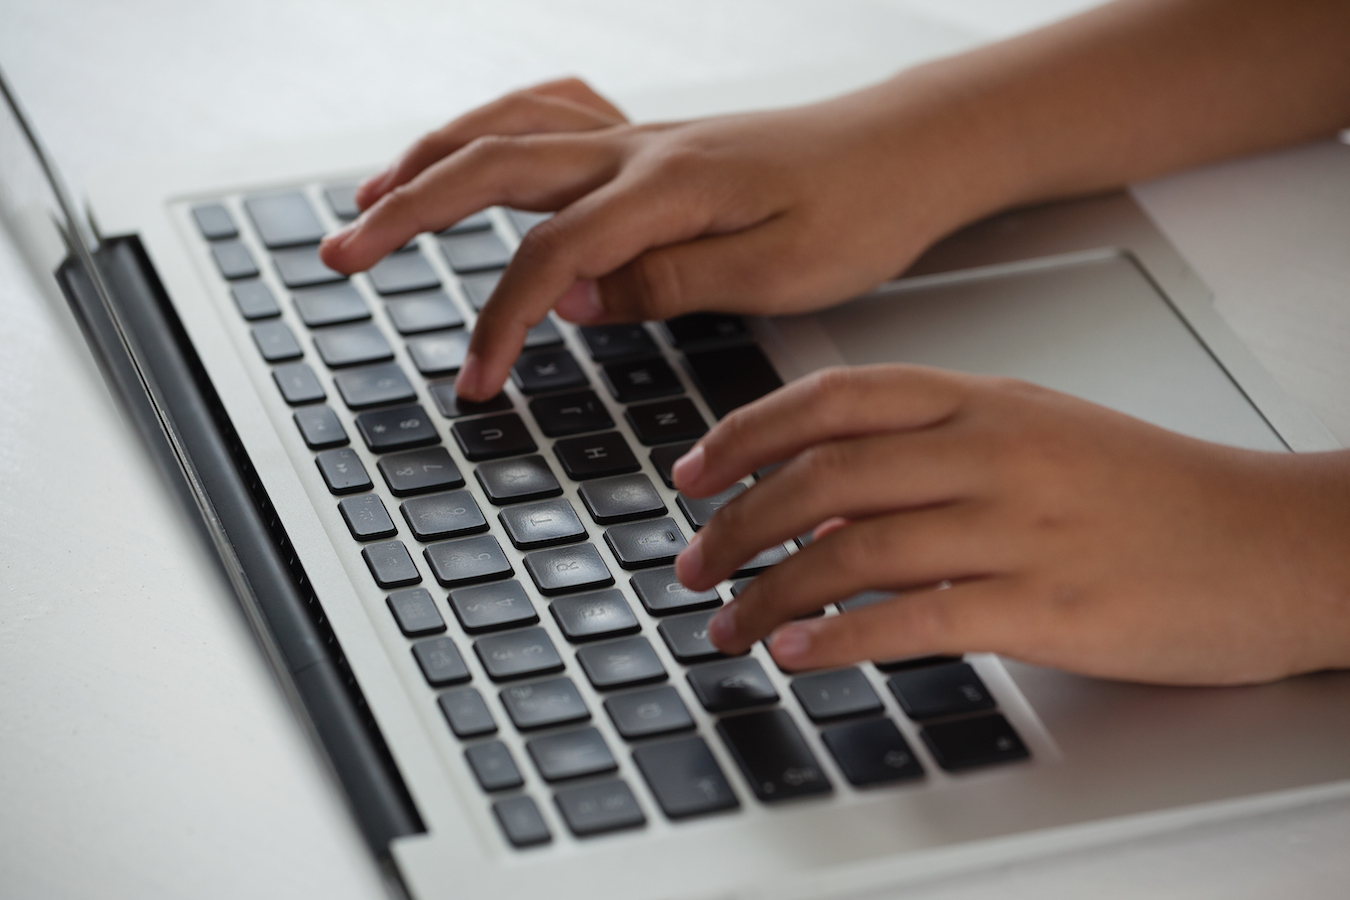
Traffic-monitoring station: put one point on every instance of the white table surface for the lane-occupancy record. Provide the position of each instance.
(144, 751)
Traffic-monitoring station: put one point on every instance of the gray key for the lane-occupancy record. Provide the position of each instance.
(275, 341)
(685, 777)
(543, 704)
(423, 311)
(284, 219)
(493, 766)
(641, 544)
(320, 428)
(545, 334)
(331, 304)
(233, 260)
(732, 684)
(301, 267)
(466, 712)
(467, 560)
(214, 221)
(342, 200)
(440, 662)
(562, 569)
(439, 353)
(833, 695)
(546, 523)
(687, 637)
(518, 654)
(515, 480)
(343, 471)
(479, 221)
(479, 287)
(621, 498)
(662, 594)
(452, 514)
(599, 808)
(390, 565)
(699, 511)
(254, 299)
(641, 714)
(623, 663)
(418, 471)
(373, 385)
(585, 617)
(415, 612)
(352, 345)
(475, 252)
(572, 754)
(298, 383)
(492, 607)
(522, 221)
(366, 517)
(407, 270)
(521, 821)
(762, 560)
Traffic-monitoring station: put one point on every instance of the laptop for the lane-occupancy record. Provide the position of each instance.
(473, 606)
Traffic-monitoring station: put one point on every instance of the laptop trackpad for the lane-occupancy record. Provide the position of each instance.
(1095, 328)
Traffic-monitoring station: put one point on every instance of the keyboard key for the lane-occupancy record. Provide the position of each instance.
(474, 252)
(687, 637)
(517, 480)
(934, 691)
(572, 754)
(543, 704)
(284, 219)
(562, 569)
(638, 545)
(492, 607)
(406, 270)
(700, 511)
(233, 260)
(254, 299)
(518, 654)
(366, 517)
(320, 428)
(479, 221)
(343, 471)
(298, 383)
(872, 751)
(415, 611)
(545, 334)
(685, 777)
(599, 808)
(732, 684)
(479, 287)
(664, 459)
(276, 342)
(864, 598)
(699, 328)
(642, 379)
(912, 662)
(607, 343)
(621, 499)
(342, 200)
(466, 712)
(623, 663)
(773, 755)
(665, 421)
(493, 766)
(451, 514)
(467, 561)
(351, 345)
(214, 221)
(374, 385)
(730, 377)
(523, 221)
(595, 456)
(396, 429)
(423, 311)
(453, 408)
(440, 662)
(967, 743)
(585, 617)
(330, 305)
(833, 695)
(575, 413)
(493, 436)
(641, 714)
(390, 564)
(419, 471)
(542, 371)
(762, 560)
(546, 523)
(662, 594)
(439, 353)
(302, 268)
(521, 821)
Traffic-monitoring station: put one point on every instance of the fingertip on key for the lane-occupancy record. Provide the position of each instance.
(689, 564)
(689, 467)
(789, 646)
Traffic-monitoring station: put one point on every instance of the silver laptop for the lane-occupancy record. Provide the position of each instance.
(473, 606)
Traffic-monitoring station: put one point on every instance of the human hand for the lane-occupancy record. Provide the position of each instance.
(1071, 535)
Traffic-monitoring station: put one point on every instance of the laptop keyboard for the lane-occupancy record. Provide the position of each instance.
(586, 622)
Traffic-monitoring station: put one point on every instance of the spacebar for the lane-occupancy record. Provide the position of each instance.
(729, 377)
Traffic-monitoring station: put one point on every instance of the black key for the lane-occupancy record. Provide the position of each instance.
(415, 611)
(699, 328)
(255, 300)
(390, 564)
(373, 385)
(912, 662)
(562, 569)
(523, 221)
(872, 751)
(351, 345)
(545, 334)
(642, 379)
(479, 221)
(479, 287)
(595, 456)
(640, 714)
(366, 517)
(320, 428)
(622, 663)
(419, 471)
(493, 766)
(342, 200)
(517, 480)
(440, 662)
(467, 560)
(732, 684)
(276, 342)
(284, 219)
(452, 407)
(739, 585)
(439, 353)
(934, 691)
(518, 654)
(233, 260)
(575, 413)
(638, 545)
(662, 594)
(521, 821)
(664, 458)
(967, 743)
(466, 712)
(451, 514)
(547, 370)
(546, 523)
(730, 377)
(492, 607)
(585, 617)
(700, 511)
(833, 695)
(762, 560)
(773, 755)
(622, 498)
(685, 778)
(571, 754)
(407, 270)
(301, 267)
(665, 421)
(493, 436)
(474, 252)
(607, 343)
(343, 471)
(399, 428)
(423, 311)
(687, 637)
(298, 383)
(333, 304)
(599, 808)
(214, 221)
(543, 704)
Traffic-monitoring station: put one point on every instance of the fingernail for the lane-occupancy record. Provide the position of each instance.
(470, 374)
(791, 643)
(689, 564)
(722, 627)
(372, 184)
(581, 303)
(688, 467)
